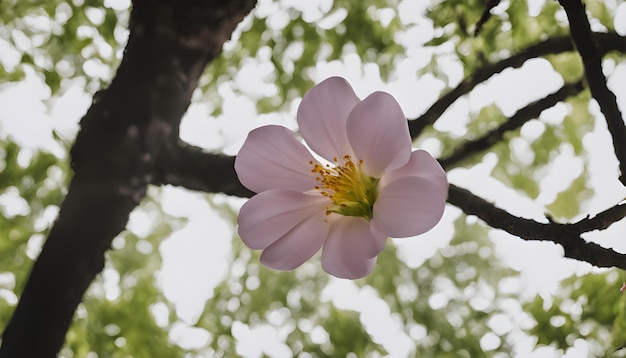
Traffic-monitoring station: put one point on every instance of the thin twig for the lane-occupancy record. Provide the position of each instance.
(485, 16)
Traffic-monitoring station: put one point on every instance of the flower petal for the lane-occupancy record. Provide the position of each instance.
(376, 242)
(379, 134)
(322, 117)
(345, 251)
(272, 158)
(421, 164)
(268, 216)
(298, 245)
(408, 206)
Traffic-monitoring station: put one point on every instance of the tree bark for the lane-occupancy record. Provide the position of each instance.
(114, 158)
(591, 55)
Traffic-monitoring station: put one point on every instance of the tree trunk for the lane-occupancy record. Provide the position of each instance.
(114, 158)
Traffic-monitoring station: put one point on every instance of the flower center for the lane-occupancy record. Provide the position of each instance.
(351, 192)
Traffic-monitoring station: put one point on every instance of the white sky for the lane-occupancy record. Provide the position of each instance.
(193, 265)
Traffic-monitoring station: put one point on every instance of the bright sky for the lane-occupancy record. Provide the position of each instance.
(189, 258)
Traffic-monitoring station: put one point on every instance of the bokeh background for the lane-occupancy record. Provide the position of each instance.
(179, 282)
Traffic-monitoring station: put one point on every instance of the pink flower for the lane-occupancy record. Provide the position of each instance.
(372, 187)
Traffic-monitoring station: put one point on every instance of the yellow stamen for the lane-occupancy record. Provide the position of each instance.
(351, 191)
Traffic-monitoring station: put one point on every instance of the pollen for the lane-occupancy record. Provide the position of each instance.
(350, 190)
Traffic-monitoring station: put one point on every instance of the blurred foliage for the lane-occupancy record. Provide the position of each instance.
(31, 189)
(116, 319)
(62, 39)
(588, 308)
(458, 302)
(294, 42)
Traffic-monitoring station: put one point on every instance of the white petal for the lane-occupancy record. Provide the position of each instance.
(272, 158)
(298, 245)
(268, 216)
(421, 164)
(322, 117)
(379, 134)
(345, 250)
(408, 206)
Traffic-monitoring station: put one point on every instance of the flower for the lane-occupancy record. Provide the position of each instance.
(371, 185)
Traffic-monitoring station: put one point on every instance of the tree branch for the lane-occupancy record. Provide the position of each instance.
(190, 167)
(113, 158)
(549, 46)
(566, 235)
(607, 42)
(601, 221)
(531, 111)
(591, 55)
